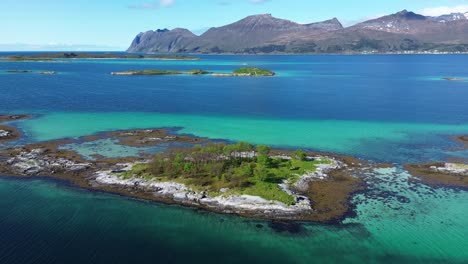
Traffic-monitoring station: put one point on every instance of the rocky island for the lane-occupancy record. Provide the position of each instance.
(243, 179)
(441, 174)
(462, 139)
(80, 55)
(19, 71)
(249, 71)
(161, 72)
(31, 71)
(245, 72)
(9, 133)
(452, 79)
(446, 174)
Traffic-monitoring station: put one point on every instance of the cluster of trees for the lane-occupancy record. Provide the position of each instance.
(231, 166)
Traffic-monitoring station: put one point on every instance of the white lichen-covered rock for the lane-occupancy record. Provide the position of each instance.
(4, 133)
(453, 168)
(35, 162)
(183, 194)
(254, 203)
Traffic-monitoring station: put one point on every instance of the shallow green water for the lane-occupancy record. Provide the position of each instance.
(366, 139)
(110, 148)
(420, 222)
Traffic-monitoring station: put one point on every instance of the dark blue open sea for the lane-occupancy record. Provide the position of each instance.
(384, 108)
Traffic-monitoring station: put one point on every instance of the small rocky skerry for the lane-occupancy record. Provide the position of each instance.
(31, 71)
(9, 133)
(441, 173)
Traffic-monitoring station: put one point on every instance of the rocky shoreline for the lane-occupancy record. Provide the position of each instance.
(322, 195)
(9, 133)
(441, 174)
(462, 139)
(453, 174)
(151, 137)
(30, 71)
(46, 159)
(246, 205)
(182, 194)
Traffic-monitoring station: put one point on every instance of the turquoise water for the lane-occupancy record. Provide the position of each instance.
(362, 138)
(62, 224)
(381, 108)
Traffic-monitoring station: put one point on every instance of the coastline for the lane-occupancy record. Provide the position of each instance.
(316, 54)
(47, 160)
(440, 174)
(325, 199)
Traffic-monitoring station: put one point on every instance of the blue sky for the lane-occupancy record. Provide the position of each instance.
(112, 24)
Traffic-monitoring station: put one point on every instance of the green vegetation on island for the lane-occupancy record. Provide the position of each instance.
(253, 71)
(230, 169)
(161, 72)
(79, 55)
(250, 71)
(18, 71)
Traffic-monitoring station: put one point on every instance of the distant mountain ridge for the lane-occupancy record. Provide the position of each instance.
(400, 32)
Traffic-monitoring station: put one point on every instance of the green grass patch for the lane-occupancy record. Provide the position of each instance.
(214, 167)
(253, 71)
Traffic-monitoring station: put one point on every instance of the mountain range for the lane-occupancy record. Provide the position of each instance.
(400, 32)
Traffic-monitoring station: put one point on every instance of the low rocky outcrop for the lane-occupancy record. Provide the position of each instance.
(441, 174)
(37, 161)
(152, 137)
(452, 168)
(452, 79)
(5, 134)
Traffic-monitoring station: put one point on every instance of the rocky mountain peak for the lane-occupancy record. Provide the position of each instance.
(264, 33)
(401, 22)
(405, 14)
(263, 20)
(162, 40)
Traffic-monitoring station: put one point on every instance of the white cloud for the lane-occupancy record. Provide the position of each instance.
(165, 3)
(443, 10)
(153, 5)
(259, 1)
